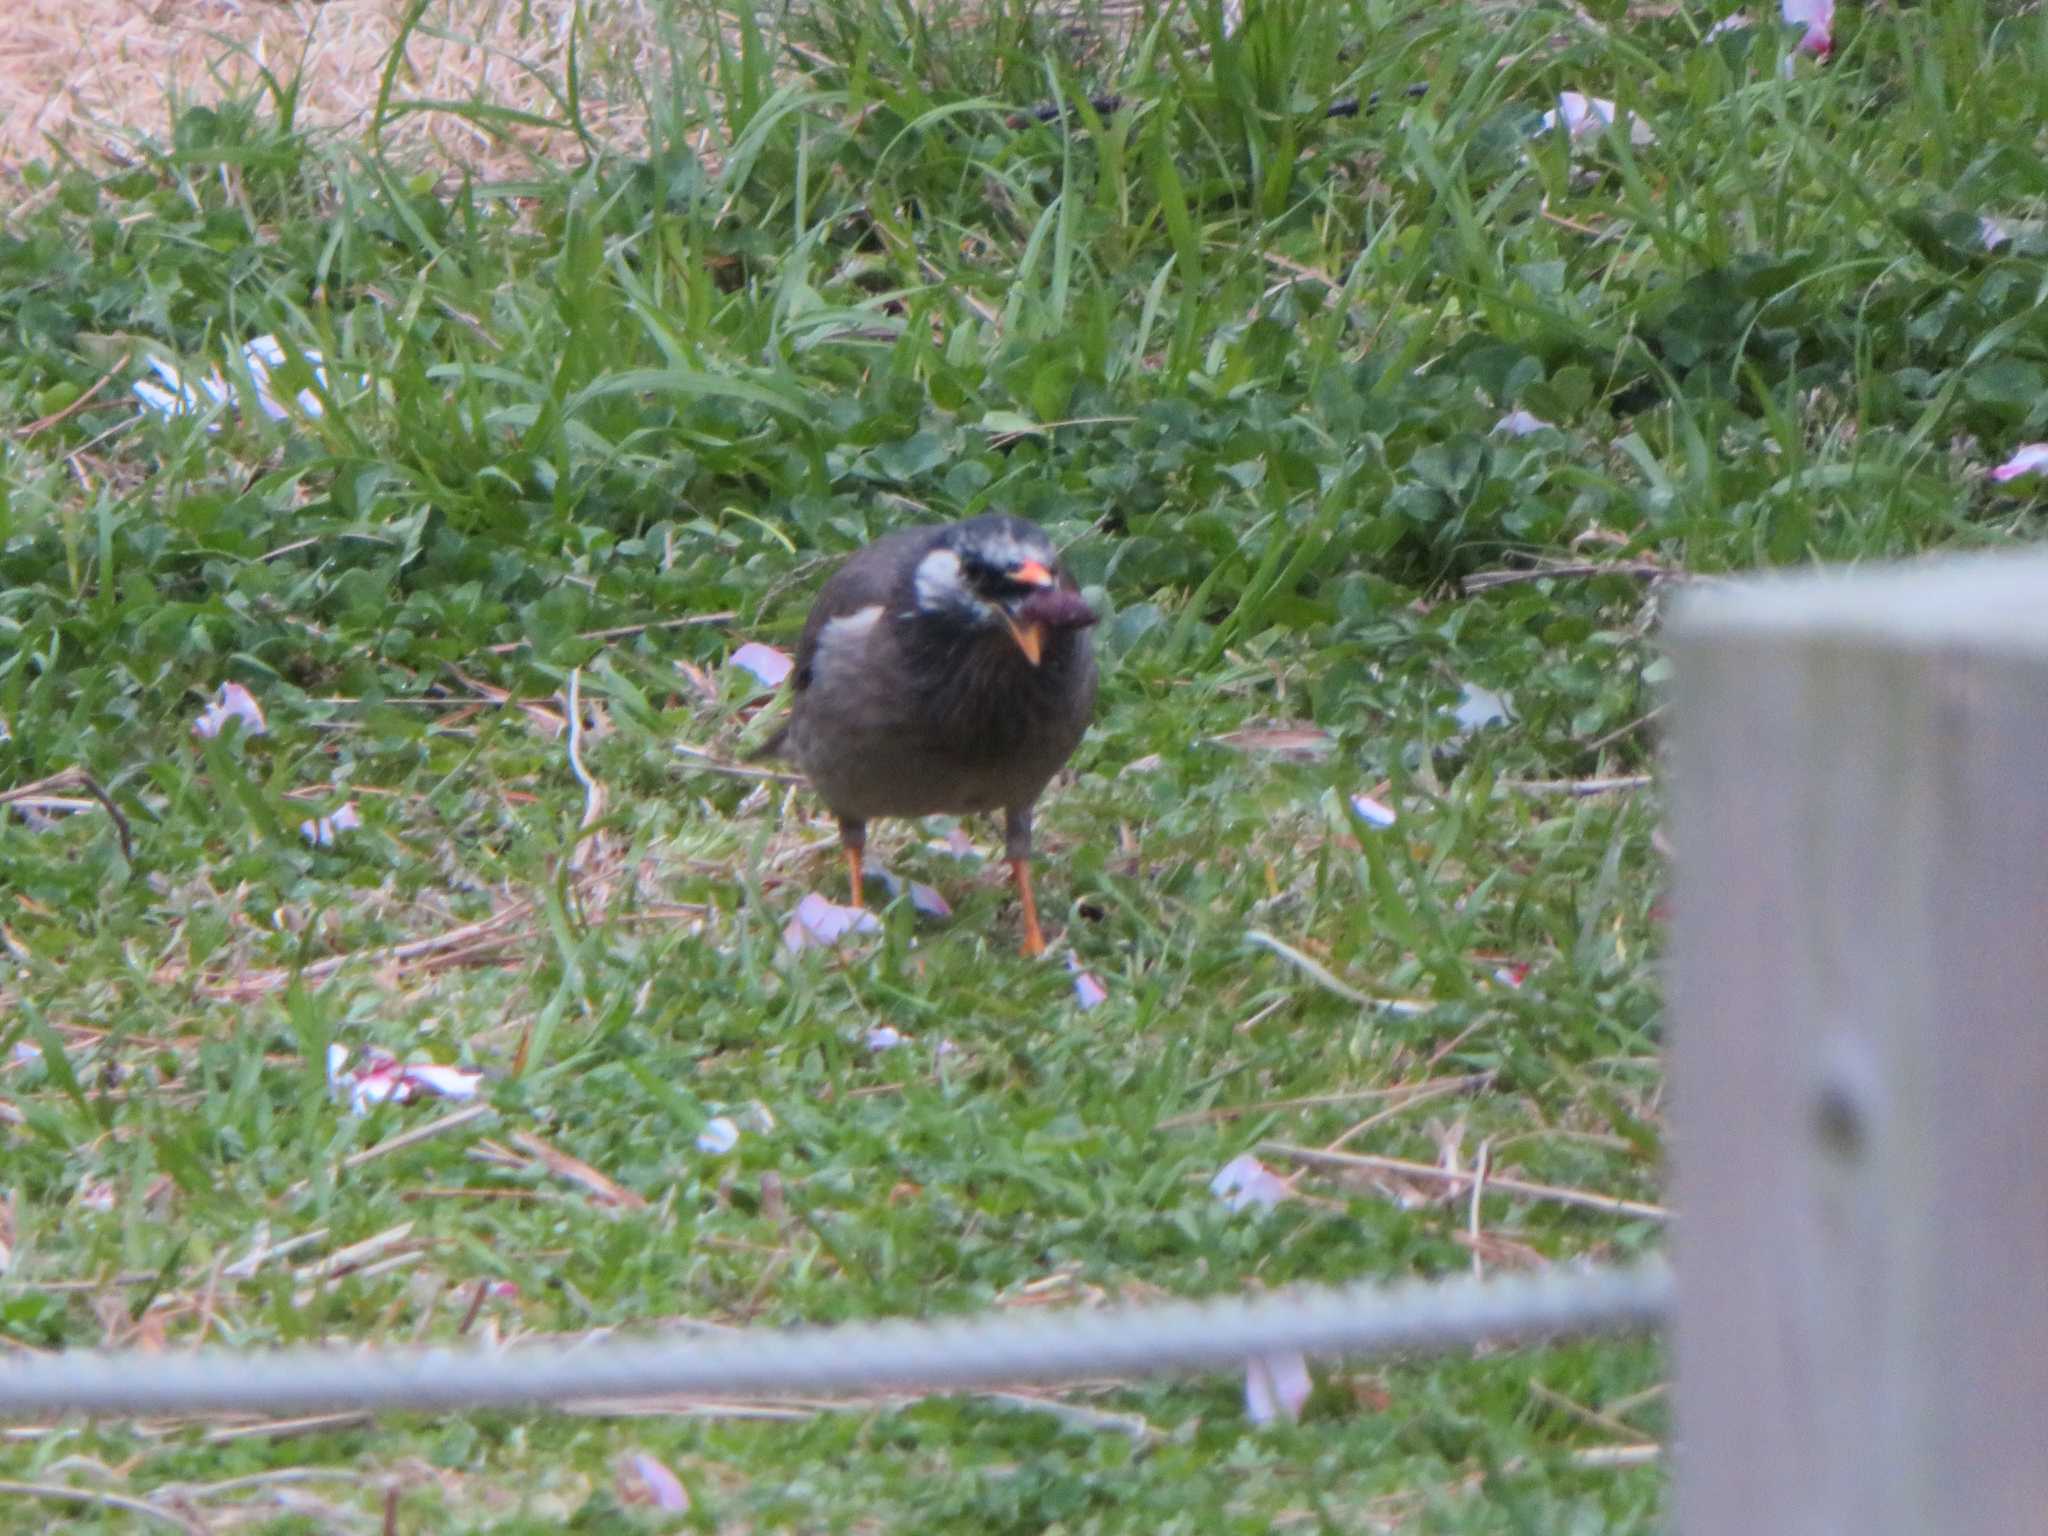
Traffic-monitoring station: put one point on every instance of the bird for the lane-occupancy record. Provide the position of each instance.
(943, 669)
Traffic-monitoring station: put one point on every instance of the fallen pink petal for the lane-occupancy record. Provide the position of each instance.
(1276, 1387)
(1818, 17)
(643, 1480)
(381, 1078)
(2028, 459)
(820, 924)
(1244, 1182)
(233, 702)
(764, 661)
(719, 1136)
(886, 1037)
(1089, 991)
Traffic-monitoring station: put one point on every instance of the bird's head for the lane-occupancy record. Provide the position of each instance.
(999, 574)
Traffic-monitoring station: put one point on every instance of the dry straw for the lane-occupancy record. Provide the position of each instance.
(84, 78)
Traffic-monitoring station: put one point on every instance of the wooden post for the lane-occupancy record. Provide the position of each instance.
(1859, 1052)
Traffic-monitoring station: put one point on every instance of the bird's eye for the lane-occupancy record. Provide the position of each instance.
(990, 579)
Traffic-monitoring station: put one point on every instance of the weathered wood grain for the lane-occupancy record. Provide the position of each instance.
(1859, 1043)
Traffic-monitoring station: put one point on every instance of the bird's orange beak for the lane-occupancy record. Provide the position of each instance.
(1030, 638)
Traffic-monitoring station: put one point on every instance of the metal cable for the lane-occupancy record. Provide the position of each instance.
(981, 1351)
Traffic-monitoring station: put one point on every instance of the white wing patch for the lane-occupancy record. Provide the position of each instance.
(843, 642)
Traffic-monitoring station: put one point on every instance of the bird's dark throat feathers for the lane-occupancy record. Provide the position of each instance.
(980, 690)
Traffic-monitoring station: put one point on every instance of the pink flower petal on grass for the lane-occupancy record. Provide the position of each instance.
(2028, 459)
(380, 1078)
(233, 702)
(1275, 1387)
(820, 924)
(1818, 17)
(764, 661)
(886, 1037)
(1089, 991)
(1244, 1182)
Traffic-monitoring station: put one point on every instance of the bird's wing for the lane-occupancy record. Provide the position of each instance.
(875, 575)
(870, 576)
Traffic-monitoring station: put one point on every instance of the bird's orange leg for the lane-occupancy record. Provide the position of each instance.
(853, 838)
(1034, 941)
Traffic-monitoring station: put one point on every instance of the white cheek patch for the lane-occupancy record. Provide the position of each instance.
(938, 583)
(843, 642)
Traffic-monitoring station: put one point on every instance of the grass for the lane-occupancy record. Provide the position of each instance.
(1247, 361)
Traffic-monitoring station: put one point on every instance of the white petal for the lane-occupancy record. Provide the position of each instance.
(1520, 423)
(1479, 707)
(1244, 1182)
(1583, 116)
(1373, 811)
(1089, 991)
(818, 923)
(718, 1137)
(764, 661)
(444, 1082)
(233, 702)
(1275, 1387)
